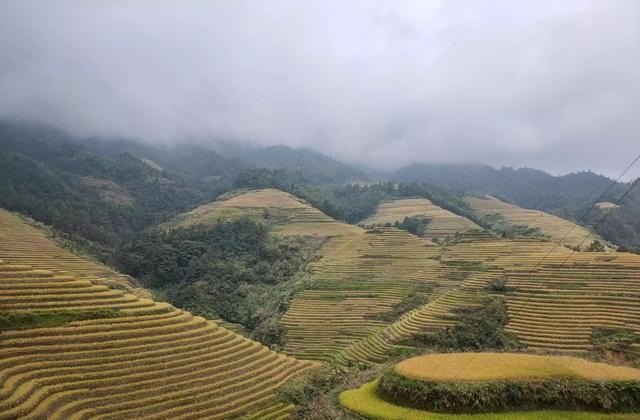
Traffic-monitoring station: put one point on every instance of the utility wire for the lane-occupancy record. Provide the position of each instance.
(602, 220)
(591, 207)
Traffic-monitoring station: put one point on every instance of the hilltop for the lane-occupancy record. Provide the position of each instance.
(288, 214)
(440, 224)
(503, 385)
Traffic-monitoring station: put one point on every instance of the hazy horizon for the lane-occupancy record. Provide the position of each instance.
(236, 148)
(549, 85)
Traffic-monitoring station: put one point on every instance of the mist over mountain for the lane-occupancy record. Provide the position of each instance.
(551, 85)
(117, 186)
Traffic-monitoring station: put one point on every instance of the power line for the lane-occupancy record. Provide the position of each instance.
(591, 207)
(602, 220)
(617, 203)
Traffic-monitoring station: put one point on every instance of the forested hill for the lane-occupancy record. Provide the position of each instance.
(99, 200)
(103, 191)
(313, 166)
(568, 196)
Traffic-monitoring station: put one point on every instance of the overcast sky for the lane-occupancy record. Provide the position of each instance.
(549, 84)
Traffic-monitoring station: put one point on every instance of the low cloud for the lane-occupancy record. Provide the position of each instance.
(549, 84)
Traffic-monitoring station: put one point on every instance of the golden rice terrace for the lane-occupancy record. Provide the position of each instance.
(288, 214)
(124, 356)
(556, 228)
(442, 223)
(97, 345)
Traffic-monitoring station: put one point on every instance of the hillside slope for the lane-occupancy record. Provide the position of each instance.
(374, 289)
(556, 300)
(556, 228)
(363, 282)
(309, 164)
(569, 196)
(77, 348)
(442, 222)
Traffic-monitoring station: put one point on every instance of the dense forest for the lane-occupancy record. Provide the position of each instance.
(237, 271)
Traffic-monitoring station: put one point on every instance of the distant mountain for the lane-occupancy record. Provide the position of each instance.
(312, 166)
(192, 159)
(103, 190)
(99, 193)
(568, 196)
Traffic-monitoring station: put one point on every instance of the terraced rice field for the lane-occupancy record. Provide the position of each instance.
(154, 361)
(555, 305)
(557, 309)
(360, 278)
(288, 214)
(553, 226)
(550, 309)
(463, 288)
(443, 222)
(37, 250)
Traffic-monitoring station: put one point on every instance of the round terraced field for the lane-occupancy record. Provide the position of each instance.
(494, 385)
(365, 402)
(511, 366)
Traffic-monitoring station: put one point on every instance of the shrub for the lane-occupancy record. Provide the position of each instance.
(499, 285)
(414, 224)
(41, 319)
(505, 395)
(316, 394)
(476, 329)
(616, 342)
(595, 246)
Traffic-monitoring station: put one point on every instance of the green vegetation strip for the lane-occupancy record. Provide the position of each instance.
(365, 402)
(48, 319)
(503, 395)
